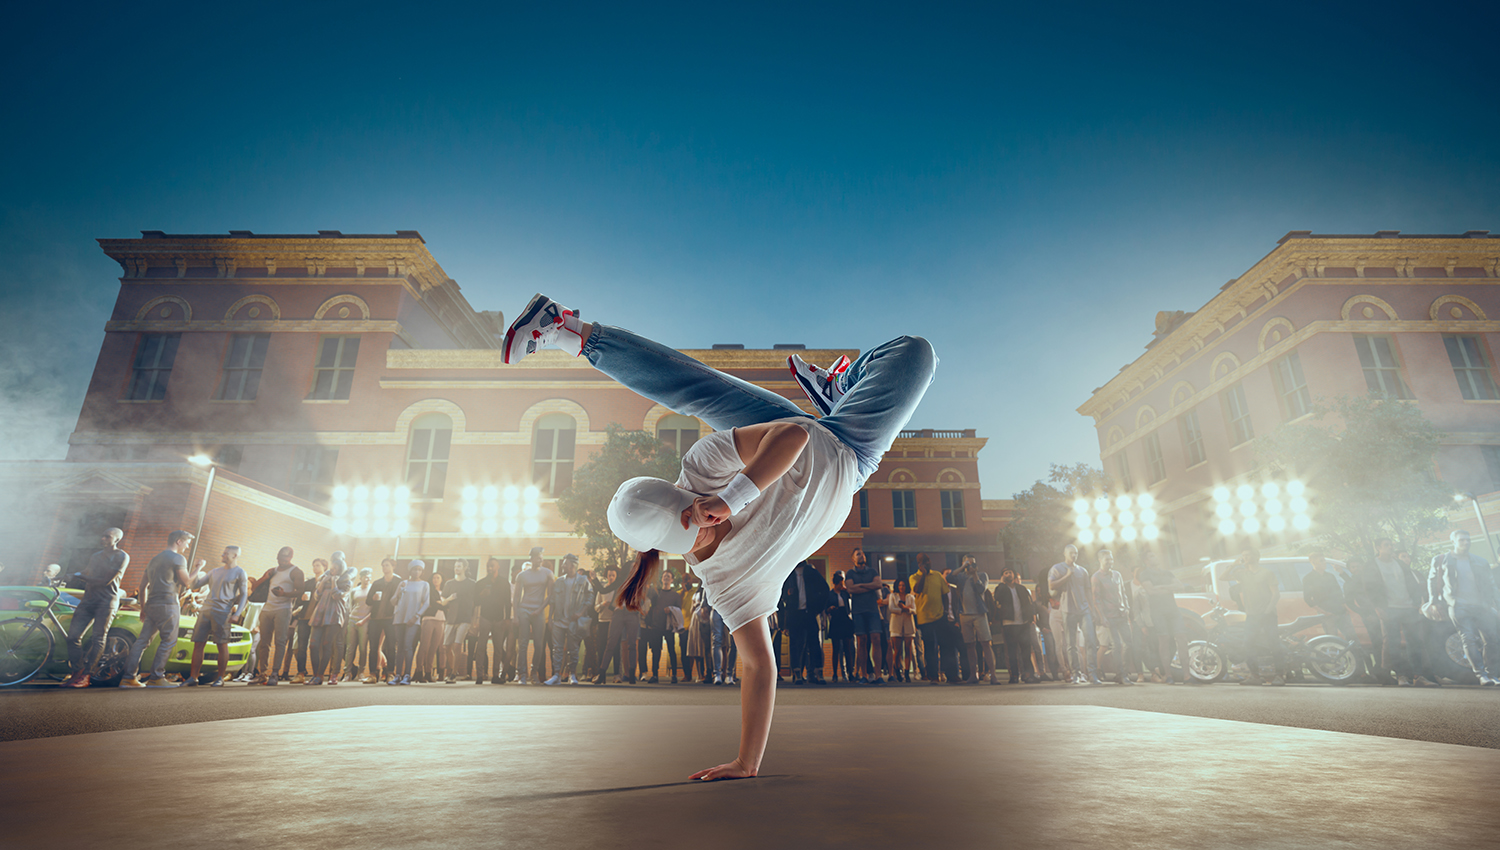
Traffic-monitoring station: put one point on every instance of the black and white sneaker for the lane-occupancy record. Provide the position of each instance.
(542, 323)
(823, 387)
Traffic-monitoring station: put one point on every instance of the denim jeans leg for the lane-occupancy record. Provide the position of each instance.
(681, 383)
(720, 644)
(153, 622)
(886, 384)
(164, 649)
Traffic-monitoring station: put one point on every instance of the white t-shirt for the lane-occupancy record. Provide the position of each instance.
(798, 513)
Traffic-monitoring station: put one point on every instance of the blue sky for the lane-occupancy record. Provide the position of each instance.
(1025, 187)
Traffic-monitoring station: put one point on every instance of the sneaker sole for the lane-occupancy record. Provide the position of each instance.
(527, 314)
(809, 390)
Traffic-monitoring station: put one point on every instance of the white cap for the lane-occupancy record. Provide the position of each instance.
(646, 513)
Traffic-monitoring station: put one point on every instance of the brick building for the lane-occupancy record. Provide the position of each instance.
(1408, 317)
(322, 374)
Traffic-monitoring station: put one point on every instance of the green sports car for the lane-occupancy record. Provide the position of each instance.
(122, 633)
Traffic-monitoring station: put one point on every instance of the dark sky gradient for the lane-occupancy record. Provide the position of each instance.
(1025, 187)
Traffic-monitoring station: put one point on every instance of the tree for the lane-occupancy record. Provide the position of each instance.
(624, 455)
(1044, 513)
(1369, 463)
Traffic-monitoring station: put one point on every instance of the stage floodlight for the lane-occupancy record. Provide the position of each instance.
(1247, 508)
(1083, 520)
(1301, 522)
(470, 526)
(1128, 534)
(1270, 490)
(512, 493)
(1150, 532)
(1123, 502)
(531, 493)
(1251, 525)
(361, 493)
(1148, 517)
(359, 526)
(1146, 500)
(1294, 488)
(471, 492)
(382, 509)
(1127, 518)
(1106, 535)
(361, 509)
(1298, 505)
(340, 526)
(1224, 510)
(491, 526)
(530, 509)
(469, 509)
(1227, 527)
(1276, 524)
(380, 526)
(402, 493)
(491, 493)
(340, 509)
(490, 509)
(1245, 491)
(1101, 504)
(399, 527)
(1273, 507)
(511, 508)
(512, 526)
(1081, 506)
(530, 526)
(1221, 494)
(382, 493)
(1085, 537)
(340, 493)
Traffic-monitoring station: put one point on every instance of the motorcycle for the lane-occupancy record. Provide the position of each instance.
(1328, 658)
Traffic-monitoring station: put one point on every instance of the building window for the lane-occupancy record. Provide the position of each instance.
(864, 508)
(1492, 461)
(953, 509)
(427, 455)
(1192, 438)
(1127, 481)
(552, 452)
(1382, 372)
(1473, 373)
(679, 432)
(312, 473)
(1295, 399)
(153, 366)
(335, 372)
(242, 366)
(904, 508)
(229, 457)
(1237, 412)
(1156, 467)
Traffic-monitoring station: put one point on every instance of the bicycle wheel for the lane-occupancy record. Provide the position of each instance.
(25, 646)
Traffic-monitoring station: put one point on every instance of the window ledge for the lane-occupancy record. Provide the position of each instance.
(325, 401)
(231, 401)
(1482, 401)
(1196, 465)
(1307, 415)
(142, 401)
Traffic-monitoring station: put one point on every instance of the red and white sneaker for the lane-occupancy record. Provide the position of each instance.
(823, 387)
(543, 322)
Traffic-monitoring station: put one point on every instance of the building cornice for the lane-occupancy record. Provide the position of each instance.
(1299, 260)
(728, 359)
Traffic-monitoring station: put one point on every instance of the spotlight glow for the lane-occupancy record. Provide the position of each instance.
(530, 526)
(1080, 506)
(382, 493)
(512, 493)
(1148, 517)
(382, 509)
(361, 493)
(1294, 488)
(1247, 508)
(402, 493)
(530, 509)
(380, 526)
(470, 509)
(511, 526)
(1251, 526)
(491, 509)
(1301, 522)
(1270, 490)
(469, 526)
(1101, 504)
(1273, 507)
(401, 509)
(1085, 537)
(1150, 532)
(1224, 510)
(1227, 527)
(340, 526)
(1106, 535)
(1146, 500)
(359, 526)
(1245, 491)
(1298, 505)
(1083, 520)
(340, 508)
(531, 493)
(340, 493)
(1123, 502)
(399, 527)
(1127, 518)
(491, 526)
(1104, 520)
(361, 509)
(511, 508)
(491, 493)
(1276, 524)
(471, 492)
(1221, 494)
(1128, 534)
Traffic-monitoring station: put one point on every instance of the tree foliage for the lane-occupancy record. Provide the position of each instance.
(1043, 521)
(1369, 463)
(624, 455)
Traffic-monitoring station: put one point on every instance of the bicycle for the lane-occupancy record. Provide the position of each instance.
(26, 643)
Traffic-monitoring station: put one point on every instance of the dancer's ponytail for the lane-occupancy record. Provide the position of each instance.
(633, 594)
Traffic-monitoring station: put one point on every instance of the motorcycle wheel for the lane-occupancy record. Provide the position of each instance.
(1206, 663)
(1333, 660)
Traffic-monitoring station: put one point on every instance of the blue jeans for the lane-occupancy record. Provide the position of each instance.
(1069, 639)
(720, 645)
(885, 385)
(1477, 628)
(531, 627)
(406, 647)
(99, 612)
(155, 620)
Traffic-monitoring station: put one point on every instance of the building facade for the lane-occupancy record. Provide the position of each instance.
(350, 398)
(1415, 318)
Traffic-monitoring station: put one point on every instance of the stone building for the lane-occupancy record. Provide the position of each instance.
(349, 397)
(1415, 318)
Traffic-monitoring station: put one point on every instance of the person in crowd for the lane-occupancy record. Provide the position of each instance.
(676, 608)
(161, 608)
(883, 609)
(696, 657)
(302, 624)
(1112, 613)
(930, 587)
(572, 616)
(624, 631)
(228, 596)
(1395, 592)
(1016, 617)
(1142, 633)
(97, 609)
(1072, 597)
(804, 595)
(492, 597)
(863, 585)
(409, 600)
(1052, 662)
(1357, 597)
(328, 614)
(660, 624)
(1461, 588)
(458, 611)
(430, 663)
(287, 586)
(381, 600)
(1259, 595)
(901, 608)
(973, 620)
(529, 595)
(604, 610)
(1166, 618)
(357, 632)
(841, 629)
(1323, 591)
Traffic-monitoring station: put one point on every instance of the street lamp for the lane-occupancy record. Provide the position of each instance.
(1271, 507)
(202, 460)
(1125, 518)
(1478, 514)
(379, 511)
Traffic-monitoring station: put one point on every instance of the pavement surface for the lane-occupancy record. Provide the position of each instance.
(860, 776)
(1454, 715)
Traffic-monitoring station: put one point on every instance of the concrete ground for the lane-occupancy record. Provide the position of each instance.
(862, 776)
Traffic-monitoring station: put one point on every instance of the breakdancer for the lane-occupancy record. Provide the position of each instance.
(763, 492)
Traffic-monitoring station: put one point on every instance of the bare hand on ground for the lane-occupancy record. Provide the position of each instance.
(732, 770)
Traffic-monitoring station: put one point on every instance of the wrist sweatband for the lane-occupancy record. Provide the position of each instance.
(740, 493)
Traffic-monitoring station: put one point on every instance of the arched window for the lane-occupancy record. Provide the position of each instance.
(679, 432)
(552, 452)
(427, 454)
